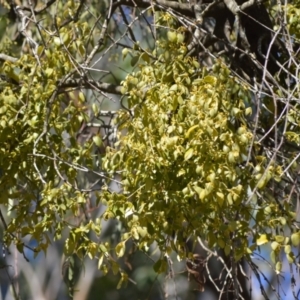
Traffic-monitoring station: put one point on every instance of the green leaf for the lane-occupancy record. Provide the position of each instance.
(134, 60)
(188, 154)
(287, 249)
(120, 249)
(172, 36)
(103, 248)
(115, 267)
(290, 257)
(97, 140)
(191, 130)
(160, 266)
(145, 57)
(210, 79)
(279, 238)
(278, 267)
(227, 250)
(295, 238)
(263, 239)
(275, 245)
(273, 257)
(125, 51)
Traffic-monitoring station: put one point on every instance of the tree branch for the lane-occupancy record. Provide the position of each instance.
(184, 8)
(5, 57)
(103, 86)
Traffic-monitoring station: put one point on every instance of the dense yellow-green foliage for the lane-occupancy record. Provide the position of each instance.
(38, 148)
(183, 162)
(189, 159)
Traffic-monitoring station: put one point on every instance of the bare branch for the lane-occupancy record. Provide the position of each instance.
(5, 57)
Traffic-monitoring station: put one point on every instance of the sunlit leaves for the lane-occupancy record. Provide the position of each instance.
(187, 161)
(123, 280)
(188, 154)
(120, 249)
(97, 140)
(38, 146)
(160, 266)
(295, 238)
(182, 152)
(278, 267)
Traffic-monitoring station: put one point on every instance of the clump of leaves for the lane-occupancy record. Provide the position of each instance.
(181, 158)
(187, 158)
(38, 147)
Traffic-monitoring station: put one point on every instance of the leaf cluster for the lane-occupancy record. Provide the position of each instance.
(183, 157)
